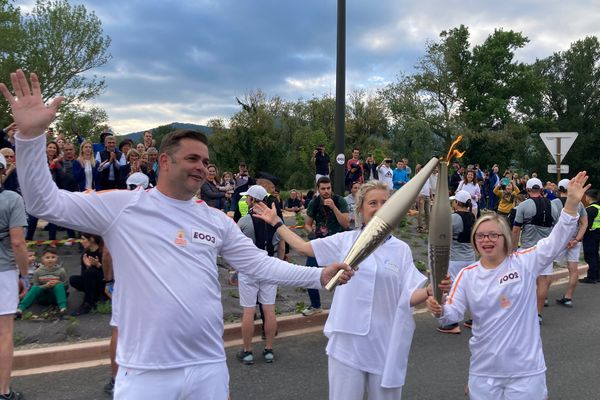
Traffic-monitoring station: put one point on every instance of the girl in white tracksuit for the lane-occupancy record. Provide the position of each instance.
(507, 362)
(370, 324)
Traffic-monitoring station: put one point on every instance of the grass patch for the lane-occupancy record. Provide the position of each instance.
(421, 265)
(104, 307)
(300, 306)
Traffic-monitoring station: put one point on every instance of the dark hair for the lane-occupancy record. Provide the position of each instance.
(97, 239)
(592, 193)
(323, 179)
(124, 142)
(170, 143)
(50, 250)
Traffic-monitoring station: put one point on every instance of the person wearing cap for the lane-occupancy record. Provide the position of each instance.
(264, 237)
(571, 253)
(13, 260)
(534, 219)
(469, 184)
(461, 250)
(170, 342)
(321, 160)
(591, 238)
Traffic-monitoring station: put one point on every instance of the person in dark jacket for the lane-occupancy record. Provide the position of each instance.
(210, 192)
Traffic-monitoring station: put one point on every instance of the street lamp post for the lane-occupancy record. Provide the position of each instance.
(340, 99)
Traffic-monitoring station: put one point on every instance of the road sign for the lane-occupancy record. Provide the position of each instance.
(552, 139)
(564, 169)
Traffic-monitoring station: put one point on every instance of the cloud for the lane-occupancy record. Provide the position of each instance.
(188, 60)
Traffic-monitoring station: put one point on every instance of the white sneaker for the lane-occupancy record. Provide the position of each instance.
(311, 311)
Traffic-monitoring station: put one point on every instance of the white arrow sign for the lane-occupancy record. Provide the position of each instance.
(551, 140)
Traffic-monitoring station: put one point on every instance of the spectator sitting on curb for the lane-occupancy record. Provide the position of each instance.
(49, 284)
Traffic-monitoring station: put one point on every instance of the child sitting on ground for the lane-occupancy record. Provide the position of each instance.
(49, 283)
(33, 265)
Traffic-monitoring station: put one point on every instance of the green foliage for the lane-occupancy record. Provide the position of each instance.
(58, 41)
(104, 307)
(78, 121)
(300, 306)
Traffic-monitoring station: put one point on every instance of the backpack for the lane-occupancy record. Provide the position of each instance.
(543, 212)
(468, 221)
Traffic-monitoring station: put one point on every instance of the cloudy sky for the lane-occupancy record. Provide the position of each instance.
(187, 60)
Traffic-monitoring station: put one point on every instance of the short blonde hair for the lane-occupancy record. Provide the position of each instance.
(502, 225)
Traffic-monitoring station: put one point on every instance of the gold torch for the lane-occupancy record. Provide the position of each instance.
(384, 220)
(440, 226)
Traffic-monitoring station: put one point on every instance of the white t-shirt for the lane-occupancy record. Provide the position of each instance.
(473, 190)
(164, 253)
(370, 323)
(386, 175)
(506, 338)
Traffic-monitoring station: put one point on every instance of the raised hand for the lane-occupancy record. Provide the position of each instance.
(269, 215)
(576, 190)
(28, 109)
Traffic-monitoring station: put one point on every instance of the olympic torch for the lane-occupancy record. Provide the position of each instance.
(383, 222)
(440, 226)
(440, 232)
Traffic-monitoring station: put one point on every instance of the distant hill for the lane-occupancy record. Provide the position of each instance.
(137, 136)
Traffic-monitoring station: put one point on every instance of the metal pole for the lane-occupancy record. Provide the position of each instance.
(558, 160)
(340, 97)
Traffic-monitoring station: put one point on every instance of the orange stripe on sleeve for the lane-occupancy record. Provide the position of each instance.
(458, 281)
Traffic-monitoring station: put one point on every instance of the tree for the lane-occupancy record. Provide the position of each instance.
(570, 101)
(81, 122)
(61, 43)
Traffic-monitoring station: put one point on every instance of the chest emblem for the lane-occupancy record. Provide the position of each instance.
(180, 239)
(505, 302)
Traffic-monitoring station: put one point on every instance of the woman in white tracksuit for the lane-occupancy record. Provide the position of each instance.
(507, 361)
(370, 324)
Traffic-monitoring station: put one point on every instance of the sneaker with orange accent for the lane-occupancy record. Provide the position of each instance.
(454, 328)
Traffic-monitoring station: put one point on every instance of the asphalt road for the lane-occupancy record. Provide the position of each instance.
(437, 366)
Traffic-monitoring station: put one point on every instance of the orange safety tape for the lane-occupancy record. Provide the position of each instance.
(64, 242)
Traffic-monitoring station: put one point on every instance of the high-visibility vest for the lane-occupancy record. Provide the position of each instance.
(596, 223)
(243, 206)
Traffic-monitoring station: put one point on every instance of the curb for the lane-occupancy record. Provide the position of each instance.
(94, 353)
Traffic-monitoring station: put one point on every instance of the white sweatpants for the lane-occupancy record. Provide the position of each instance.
(203, 381)
(347, 383)
(525, 388)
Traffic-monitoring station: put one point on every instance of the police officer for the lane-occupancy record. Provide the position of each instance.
(13, 252)
(591, 238)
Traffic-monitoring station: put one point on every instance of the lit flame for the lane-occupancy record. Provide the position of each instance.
(452, 153)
